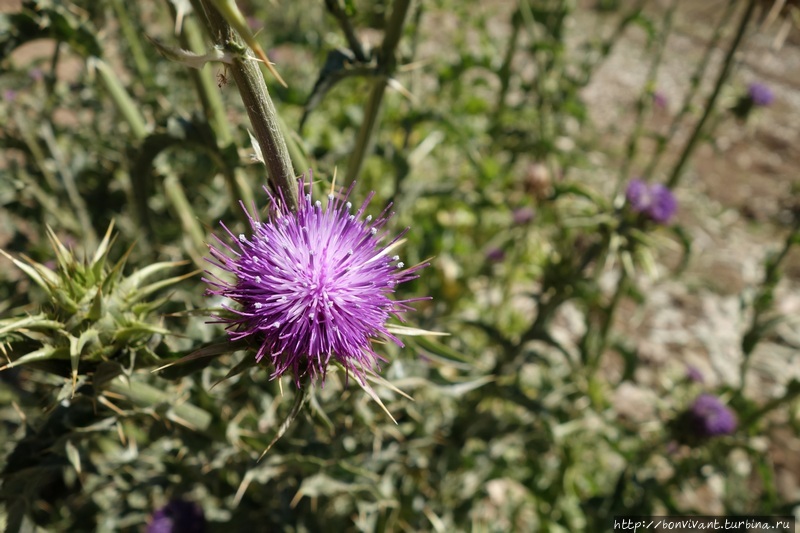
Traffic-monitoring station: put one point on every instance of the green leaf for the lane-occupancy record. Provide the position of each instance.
(73, 456)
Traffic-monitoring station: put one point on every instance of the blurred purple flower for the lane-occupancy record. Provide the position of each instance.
(9, 95)
(36, 74)
(662, 203)
(656, 200)
(178, 516)
(638, 195)
(760, 94)
(710, 417)
(312, 285)
(694, 374)
(660, 100)
(495, 255)
(523, 215)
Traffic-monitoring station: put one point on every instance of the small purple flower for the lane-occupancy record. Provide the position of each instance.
(706, 418)
(662, 203)
(178, 516)
(711, 417)
(760, 94)
(693, 374)
(656, 201)
(9, 95)
(638, 195)
(523, 215)
(495, 255)
(660, 100)
(312, 285)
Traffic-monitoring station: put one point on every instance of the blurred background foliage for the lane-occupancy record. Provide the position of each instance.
(484, 142)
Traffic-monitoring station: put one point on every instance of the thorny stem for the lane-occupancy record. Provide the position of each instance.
(133, 42)
(644, 99)
(191, 38)
(259, 106)
(386, 67)
(336, 10)
(763, 300)
(505, 69)
(696, 78)
(712, 99)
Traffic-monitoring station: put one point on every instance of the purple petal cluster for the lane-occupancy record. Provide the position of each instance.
(312, 285)
(178, 516)
(710, 417)
(660, 100)
(760, 94)
(656, 200)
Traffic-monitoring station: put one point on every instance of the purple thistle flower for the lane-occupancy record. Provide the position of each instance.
(656, 201)
(638, 195)
(662, 203)
(178, 516)
(312, 285)
(693, 374)
(711, 417)
(523, 215)
(495, 255)
(706, 418)
(660, 100)
(760, 94)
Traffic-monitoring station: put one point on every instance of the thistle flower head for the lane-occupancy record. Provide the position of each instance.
(95, 313)
(178, 516)
(759, 94)
(660, 100)
(656, 201)
(711, 417)
(707, 417)
(313, 285)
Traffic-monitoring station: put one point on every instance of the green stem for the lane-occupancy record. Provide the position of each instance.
(386, 67)
(644, 100)
(694, 87)
(123, 101)
(192, 229)
(134, 43)
(259, 106)
(712, 99)
(505, 69)
(68, 179)
(753, 335)
(214, 109)
(341, 17)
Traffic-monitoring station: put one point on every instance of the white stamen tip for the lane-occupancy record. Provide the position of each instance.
(318, 203)
(396, 258)
(348, 205)
(373, 231)
(369, 218)
(258, 305)
(258, 279)
(242, 237)
(400, 264)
